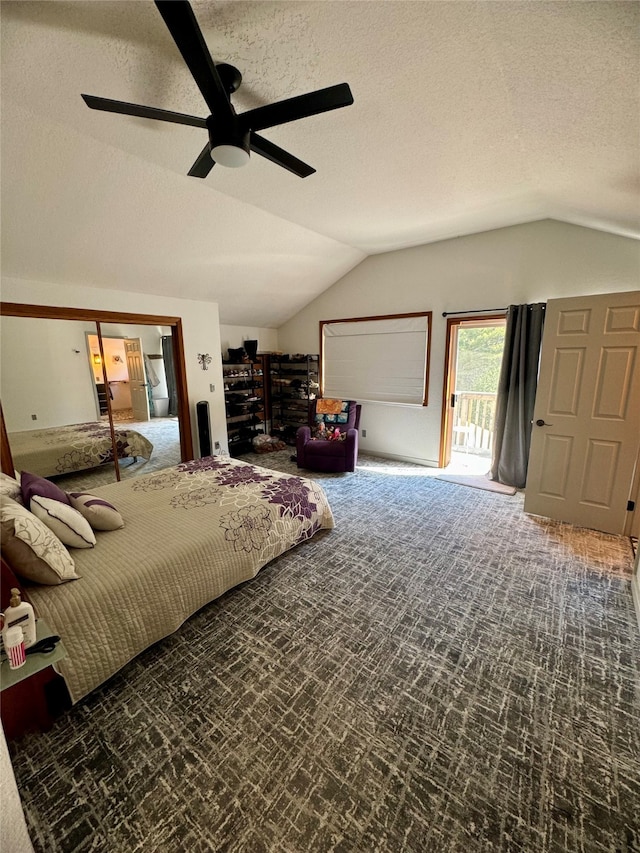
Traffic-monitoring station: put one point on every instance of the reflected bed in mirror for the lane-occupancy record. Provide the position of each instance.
(75, 447)
(162, 433)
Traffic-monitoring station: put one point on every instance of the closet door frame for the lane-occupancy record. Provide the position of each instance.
(48, 312)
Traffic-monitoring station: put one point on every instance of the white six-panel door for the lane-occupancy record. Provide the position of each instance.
(137, 379)
(586, 431)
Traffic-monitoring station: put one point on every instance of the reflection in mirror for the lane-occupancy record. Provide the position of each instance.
(48, 400)
(142, 392)
(56, 400)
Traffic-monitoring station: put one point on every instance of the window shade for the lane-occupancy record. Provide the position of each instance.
(383, 360)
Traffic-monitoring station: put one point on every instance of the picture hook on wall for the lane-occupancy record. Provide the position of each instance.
(205, 360)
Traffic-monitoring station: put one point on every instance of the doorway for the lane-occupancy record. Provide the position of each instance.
(119, 386)
(472, 368)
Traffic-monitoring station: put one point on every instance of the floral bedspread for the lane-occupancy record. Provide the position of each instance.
(64, 449)
(258, 508)
(191, 533)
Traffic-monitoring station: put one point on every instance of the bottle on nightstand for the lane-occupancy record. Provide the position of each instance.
(20, 614)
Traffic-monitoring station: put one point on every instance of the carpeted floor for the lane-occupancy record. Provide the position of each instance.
(478, 481)
(439, 673)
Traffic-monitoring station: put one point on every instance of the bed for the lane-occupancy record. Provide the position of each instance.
(77, 447)
(191, 533)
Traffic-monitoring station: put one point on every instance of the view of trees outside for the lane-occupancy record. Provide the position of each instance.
(479, 359)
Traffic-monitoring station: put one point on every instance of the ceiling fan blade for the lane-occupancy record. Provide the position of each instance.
(279, 156)
(203, 165)
(138, 110)
(293, 109)
(185, 31)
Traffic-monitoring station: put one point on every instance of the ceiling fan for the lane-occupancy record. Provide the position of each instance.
(231, 136)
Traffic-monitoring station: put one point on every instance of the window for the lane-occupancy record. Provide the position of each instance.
(384, 359)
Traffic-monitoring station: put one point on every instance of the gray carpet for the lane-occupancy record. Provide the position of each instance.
(439, 673)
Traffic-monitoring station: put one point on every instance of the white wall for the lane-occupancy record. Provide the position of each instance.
(200, 329)
(235, 336)
(44, 371)
(524, 263)
(14, 837)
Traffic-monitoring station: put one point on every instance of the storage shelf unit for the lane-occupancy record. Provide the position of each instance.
(245, 403)
(101, 391)
(294, 385)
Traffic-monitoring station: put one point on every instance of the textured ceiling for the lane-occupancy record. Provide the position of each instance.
(467, 117)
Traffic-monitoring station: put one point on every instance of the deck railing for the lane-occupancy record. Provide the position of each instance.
(474, 417)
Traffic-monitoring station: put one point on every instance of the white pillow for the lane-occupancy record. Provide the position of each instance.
(100, 514)
(10, 488)
(65, 521)
(32, 550)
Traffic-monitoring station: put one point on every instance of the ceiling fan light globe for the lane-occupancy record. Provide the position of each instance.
(229, 155)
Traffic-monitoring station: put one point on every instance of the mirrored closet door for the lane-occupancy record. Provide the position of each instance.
(47, 397)
(88, 400)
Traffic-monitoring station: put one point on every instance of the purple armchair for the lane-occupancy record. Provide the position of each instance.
(330, 456)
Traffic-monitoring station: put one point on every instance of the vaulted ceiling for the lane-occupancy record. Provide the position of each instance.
(467, 116)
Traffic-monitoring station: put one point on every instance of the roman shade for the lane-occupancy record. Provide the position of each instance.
(380, 359)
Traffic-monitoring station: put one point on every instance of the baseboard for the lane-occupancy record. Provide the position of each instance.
(635, 587)
(427, 463)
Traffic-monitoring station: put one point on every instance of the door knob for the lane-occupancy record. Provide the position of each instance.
(540, 422)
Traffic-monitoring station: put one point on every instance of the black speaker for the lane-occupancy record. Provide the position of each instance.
(204, 430)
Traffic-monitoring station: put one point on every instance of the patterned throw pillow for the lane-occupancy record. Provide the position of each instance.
(69, 526)
(10, 488)
(100, 514)
(33, 551)
(330, 418)
(32, 485)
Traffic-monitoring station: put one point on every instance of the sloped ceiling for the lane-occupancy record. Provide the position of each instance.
(467, 116)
